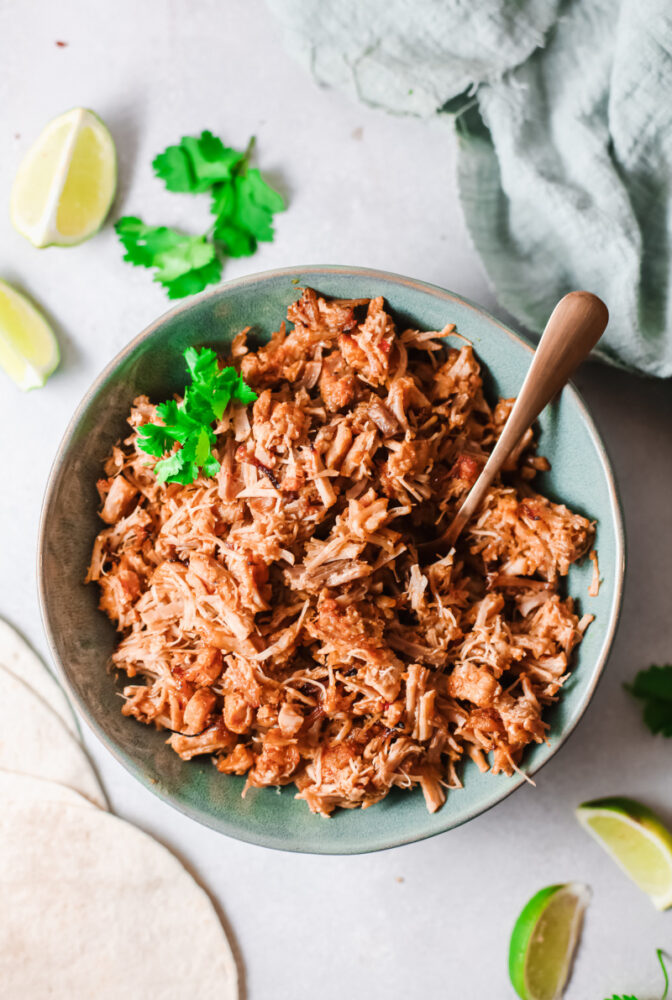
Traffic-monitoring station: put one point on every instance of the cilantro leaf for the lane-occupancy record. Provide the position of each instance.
(154, 440)
(169, 412)
(262, 194)
(187, 474)
(189, 424)
(243, 393)
(174, 168)
(243, 205)
(195, 281)
(201, 364)
(654, 687)
(184, 264)
(190, 254)
(194, 165)
(202, 452)
(168, 468)
(256, 219)
(143, 243)
(234, 241)
(211, 466)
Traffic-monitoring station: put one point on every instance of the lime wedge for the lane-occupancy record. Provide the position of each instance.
(66, 182)
(637, 840)
(28, 347)
(544, 940)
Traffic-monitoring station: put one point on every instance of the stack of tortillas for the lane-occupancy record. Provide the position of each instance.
(92, 907)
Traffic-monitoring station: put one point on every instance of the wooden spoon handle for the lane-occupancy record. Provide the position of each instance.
(575, 326)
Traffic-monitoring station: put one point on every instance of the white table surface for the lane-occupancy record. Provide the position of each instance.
(431, 919)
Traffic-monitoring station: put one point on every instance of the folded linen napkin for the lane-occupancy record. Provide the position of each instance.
(563, 109)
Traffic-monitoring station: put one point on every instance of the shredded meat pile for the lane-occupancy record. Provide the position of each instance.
(278, 617)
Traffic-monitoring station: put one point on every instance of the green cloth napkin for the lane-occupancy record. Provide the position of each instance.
(564, 116)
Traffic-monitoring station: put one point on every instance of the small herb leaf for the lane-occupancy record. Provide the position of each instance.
(194, 165)
(189, 424)
(184, 264)
(167, 469)
(243, 205)
(654, 687)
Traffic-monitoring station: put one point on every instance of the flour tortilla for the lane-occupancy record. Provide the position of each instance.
(34, 740)
(92, 907)
(24, 788)
(17, 657)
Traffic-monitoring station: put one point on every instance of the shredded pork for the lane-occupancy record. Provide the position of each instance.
(278, 617)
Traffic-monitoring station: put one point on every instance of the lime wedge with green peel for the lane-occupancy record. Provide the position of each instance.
(66, 182)
(637, 840)
(28, 347)
(544, 940)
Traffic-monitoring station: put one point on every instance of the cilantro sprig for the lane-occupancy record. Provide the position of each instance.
(661, 958)
(184, 264)
(189, 423)
(242, 204)
(654, 687)
(194, 165)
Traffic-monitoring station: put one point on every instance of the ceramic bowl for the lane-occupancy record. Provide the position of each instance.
(82, 638)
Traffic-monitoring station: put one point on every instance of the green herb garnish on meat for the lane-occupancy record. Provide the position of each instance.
(189, 423)
(654, 687)
(242, 203)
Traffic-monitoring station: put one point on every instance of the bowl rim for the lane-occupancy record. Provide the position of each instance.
(309, 272)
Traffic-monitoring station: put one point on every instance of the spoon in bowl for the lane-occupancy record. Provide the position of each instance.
(575, 326)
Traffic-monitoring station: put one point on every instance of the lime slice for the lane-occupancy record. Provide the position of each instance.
(28, 347)
(66, 182)
(544, 940)
(637, 840)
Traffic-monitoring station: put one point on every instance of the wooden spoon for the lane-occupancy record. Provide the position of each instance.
(575, 326)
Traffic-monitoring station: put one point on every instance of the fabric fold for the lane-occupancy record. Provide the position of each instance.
(564, 126)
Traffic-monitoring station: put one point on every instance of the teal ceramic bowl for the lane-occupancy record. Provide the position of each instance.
(82, 638)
